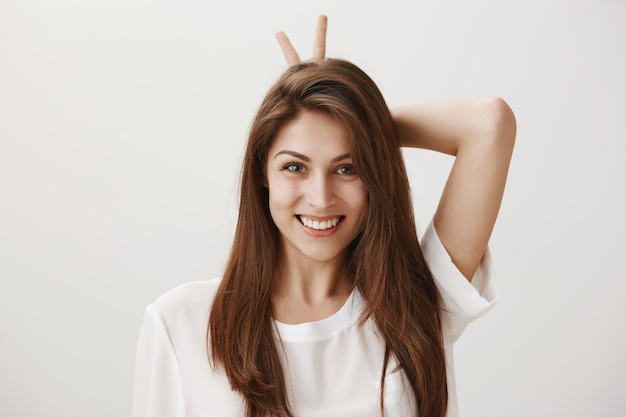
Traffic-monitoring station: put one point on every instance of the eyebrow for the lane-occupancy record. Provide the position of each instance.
(307, 159)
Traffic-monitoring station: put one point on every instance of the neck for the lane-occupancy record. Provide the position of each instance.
(306, 290)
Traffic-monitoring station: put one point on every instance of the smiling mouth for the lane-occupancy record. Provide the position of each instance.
(320, 225)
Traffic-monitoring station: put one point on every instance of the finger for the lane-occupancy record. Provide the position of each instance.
(291, 56)
(319, 46)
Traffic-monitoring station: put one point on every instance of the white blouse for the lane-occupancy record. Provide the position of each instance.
(332, 367)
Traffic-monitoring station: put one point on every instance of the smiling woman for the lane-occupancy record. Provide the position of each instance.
(329, 305)
(315, 197)
(318, 203)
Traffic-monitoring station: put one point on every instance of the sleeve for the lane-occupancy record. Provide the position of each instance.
(158, 388)
(463, 301)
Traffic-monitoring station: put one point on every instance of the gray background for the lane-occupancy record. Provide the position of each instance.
(122, 125)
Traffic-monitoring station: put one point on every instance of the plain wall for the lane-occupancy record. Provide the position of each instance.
(122, 125)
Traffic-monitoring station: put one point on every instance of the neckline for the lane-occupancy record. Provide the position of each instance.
(348, 314)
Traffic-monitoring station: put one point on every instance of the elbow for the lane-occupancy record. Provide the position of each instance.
(501, 124)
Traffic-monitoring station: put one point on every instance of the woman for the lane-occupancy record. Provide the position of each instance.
(329, 306)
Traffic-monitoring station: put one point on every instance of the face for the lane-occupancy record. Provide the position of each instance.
(316, 198)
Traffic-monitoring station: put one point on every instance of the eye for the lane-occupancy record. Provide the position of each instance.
(294, 167)
(346, 170)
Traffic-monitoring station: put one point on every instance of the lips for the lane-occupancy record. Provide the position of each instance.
(316, 224)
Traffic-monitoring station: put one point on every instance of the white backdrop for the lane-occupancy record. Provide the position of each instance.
(122, 124)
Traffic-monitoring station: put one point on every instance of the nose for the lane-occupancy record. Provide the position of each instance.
(320, 192)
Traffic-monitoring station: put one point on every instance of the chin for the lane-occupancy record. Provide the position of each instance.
(322, 253)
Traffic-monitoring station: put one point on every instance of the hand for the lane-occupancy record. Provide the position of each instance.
(319, 45)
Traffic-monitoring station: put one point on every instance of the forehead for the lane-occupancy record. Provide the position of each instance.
(313, 133)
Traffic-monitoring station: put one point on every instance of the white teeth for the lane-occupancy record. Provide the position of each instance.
(317, 225)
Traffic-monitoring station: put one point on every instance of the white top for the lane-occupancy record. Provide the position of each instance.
(332, 367)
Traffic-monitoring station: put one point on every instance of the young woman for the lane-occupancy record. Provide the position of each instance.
(329, 305)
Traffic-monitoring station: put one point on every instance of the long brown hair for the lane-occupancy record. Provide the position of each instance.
(385, 262)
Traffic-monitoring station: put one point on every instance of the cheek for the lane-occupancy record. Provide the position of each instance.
(281, 196)
(356, 196)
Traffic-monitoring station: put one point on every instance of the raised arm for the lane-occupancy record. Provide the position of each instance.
(481, 134)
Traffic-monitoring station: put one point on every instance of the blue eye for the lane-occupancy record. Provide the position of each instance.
(346, 170)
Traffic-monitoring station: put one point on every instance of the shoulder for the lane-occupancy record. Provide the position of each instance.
(188, 292)
(173, 370)
(191, 300)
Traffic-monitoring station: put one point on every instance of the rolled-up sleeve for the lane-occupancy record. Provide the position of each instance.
(158, 389)
(463, 301)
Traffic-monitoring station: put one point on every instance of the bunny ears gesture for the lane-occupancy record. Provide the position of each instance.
(319, 45)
